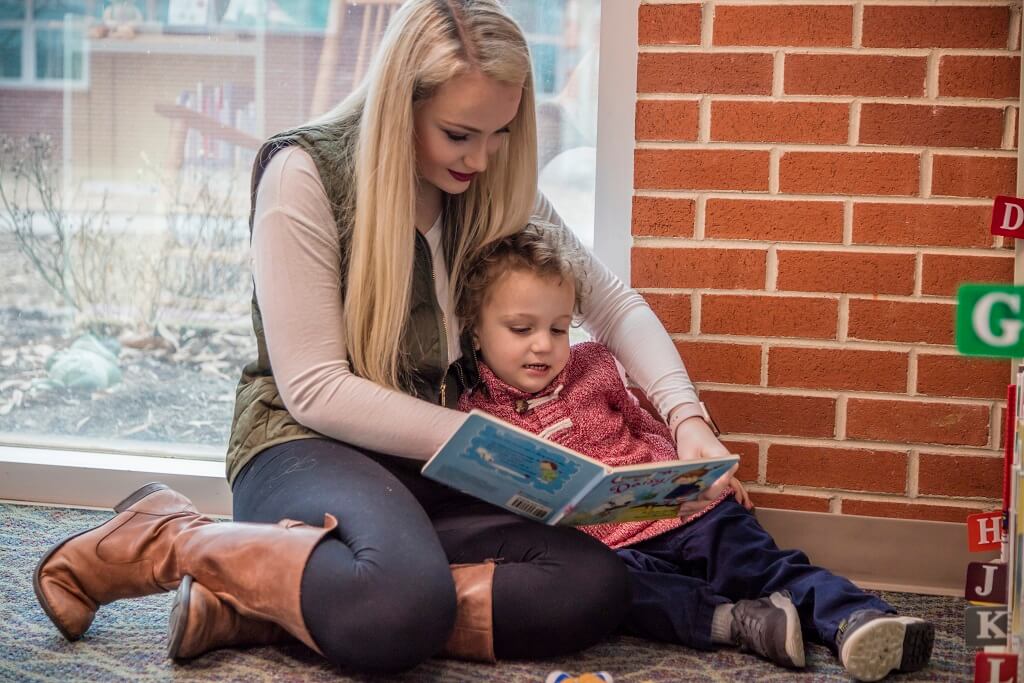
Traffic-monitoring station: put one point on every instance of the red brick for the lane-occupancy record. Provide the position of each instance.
(960, 476)
(935, 26)
(666, 119)
(663, 216)
(698, 267)
(700, 169)
(907, 124)
(749, 455)
(988, 76)
(902, 321)
(769, 316)
(894, 510)
(814, 122)
(669, 24)
(721, 363)
(774, 220)
(921, 225)
(788, 501)
(673, 310)
(705, 73)
(854, 469)
(845, 271)
(778, 414)
(964, 176)
(947, 375)
(842, 369)
(863, 75)
(845, 173)
(917, 422)
(942, 274)
(787, 25)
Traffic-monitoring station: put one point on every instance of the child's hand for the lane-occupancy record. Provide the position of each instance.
(742, 497)
(709, 494)
(694, 440)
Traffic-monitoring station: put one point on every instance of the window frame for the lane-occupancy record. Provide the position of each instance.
(30, 27)
(67, 474)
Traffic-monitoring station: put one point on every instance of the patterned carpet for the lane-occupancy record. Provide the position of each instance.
(127, 640)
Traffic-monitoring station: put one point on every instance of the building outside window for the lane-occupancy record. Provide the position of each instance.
(127, 133)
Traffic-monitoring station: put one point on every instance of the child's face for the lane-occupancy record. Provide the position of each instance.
(523, 330)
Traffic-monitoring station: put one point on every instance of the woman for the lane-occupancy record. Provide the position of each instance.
(361, 225)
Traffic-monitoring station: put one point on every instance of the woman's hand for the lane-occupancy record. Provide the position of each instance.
(694, 440)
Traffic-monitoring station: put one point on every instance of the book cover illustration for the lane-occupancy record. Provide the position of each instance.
(633, 496)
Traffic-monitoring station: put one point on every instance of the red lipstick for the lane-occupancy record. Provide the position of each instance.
(462, 177)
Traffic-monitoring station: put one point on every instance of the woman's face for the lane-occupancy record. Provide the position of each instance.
(460, 127)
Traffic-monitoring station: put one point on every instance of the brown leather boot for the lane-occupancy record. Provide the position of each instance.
(253, 570)
(472, 639)
(127, 556)
(201, 622)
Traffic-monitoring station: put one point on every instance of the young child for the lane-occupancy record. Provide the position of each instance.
(715, 578)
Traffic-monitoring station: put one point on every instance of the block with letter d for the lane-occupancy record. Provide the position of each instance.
(986, 582)
(1008, 217)
(985, 626)
(985, 531)
(995, 667)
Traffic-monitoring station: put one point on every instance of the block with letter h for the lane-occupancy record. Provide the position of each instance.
(985, 531)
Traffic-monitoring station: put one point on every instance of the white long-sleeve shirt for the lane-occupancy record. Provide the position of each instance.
(298, 281)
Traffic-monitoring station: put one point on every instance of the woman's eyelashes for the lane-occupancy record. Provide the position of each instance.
(462, 137)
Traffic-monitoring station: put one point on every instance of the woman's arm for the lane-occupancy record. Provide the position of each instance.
(620, 319)
(297, 275)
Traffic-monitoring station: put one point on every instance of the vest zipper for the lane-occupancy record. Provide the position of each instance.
(444, 328)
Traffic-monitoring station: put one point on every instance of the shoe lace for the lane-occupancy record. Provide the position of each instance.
(751, 632)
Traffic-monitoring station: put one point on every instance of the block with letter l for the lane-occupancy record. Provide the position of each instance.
(995, 667)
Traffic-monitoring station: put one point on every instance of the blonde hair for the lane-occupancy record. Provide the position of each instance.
(531, 250)
(427, 43)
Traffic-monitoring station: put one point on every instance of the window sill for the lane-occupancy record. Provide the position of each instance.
(101, 479)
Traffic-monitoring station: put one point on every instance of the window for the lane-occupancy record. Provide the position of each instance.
(124, 282)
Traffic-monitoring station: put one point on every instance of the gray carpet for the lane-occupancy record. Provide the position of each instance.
(127, 640)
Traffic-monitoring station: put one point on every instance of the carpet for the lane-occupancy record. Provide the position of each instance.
(127, 640)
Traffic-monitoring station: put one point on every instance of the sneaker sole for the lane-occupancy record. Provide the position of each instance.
(897, 643)
(132, 499)
(794, 635)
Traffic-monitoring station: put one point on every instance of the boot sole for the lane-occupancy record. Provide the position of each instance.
(132, 499)
(178, 622)
(891, 644)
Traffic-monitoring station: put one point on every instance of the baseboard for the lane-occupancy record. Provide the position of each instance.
(906, 555)
(888, 554)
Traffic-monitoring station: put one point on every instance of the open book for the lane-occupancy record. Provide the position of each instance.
(519, 471)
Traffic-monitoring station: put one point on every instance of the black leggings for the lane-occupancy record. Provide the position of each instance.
(380, 595)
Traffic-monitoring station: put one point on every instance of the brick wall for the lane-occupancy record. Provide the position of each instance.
(812, 182)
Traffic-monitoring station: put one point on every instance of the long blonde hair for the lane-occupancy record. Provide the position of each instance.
(427, 43)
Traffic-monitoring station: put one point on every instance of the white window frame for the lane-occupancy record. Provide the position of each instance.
(29, 27)
(67, 474)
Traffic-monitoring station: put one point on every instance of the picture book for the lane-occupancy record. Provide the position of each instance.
(519, 471)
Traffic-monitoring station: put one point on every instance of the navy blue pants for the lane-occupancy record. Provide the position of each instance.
(678, 578)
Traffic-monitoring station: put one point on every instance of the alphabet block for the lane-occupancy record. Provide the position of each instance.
(990, 320)
(984, 626)
(995, 667)
(985, 531)
(986, 582)
(1008, 216)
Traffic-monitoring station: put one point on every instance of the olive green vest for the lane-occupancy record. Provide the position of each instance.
(260, 418)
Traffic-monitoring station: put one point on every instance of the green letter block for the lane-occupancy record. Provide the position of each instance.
(990, 320)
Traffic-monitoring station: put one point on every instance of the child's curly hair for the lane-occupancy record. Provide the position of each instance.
(537, 248)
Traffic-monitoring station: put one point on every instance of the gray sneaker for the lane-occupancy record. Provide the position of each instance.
(873, 643)
(770, 627)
